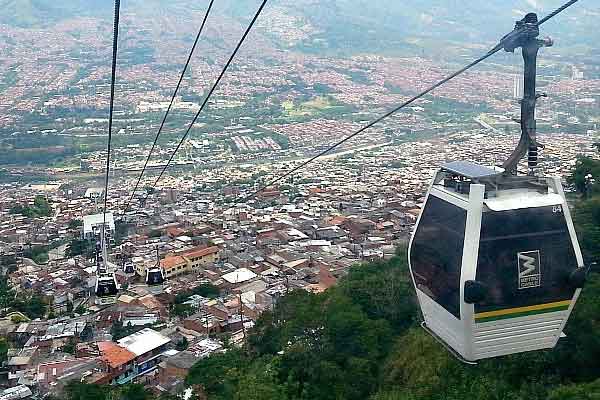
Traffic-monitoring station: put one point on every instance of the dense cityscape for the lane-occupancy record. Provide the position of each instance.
(226, 245)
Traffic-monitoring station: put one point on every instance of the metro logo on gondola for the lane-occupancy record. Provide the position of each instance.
(530, 272)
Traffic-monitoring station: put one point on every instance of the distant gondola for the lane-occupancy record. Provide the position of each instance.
(155, 276)
(106, 289)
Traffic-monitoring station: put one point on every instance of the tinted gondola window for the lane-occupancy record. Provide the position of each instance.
(525, 258)
(436, 253)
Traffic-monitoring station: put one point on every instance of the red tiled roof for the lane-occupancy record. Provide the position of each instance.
(172, 261)
(114, 354)
(174, 232)
(201, 252)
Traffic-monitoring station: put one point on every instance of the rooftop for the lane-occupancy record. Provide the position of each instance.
(239, 276)
(114, 354)
(172, 261)
(143, 341)
(89, 221)
(201, 252)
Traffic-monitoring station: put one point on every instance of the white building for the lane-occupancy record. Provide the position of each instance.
(92, 225)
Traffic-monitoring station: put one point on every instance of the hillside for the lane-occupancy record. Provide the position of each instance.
(335, 25)
(361, 340)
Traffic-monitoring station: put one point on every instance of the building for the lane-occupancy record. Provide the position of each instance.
(133, 356)
(197, 258)
(92, 225)
(184, 263)
(174, 266)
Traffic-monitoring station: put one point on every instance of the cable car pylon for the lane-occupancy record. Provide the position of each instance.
(494, 256)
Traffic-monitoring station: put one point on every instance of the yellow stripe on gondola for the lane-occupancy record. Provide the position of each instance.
(519, 310)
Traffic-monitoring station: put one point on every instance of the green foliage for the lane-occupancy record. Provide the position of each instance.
(182, 344)
(119, 331)
(82, 391)
(590, 391)
(584, 167)
(39, 254)
(80, 309)
(75, 223)
(383, 290)
(40, 208)
(79, 247)
(218, 374)
(182, 310)
(134, 392)
(155, 233)
(85, 391)
(32, 306)
(69, 347)
(205, 290)
(587, 220)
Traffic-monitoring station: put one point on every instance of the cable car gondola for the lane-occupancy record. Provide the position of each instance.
(494, 256)
(155, 276)
(106, 289)
(129, 268)
(495, 261)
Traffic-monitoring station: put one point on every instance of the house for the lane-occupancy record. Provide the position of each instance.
(187, 262)
(133, 356)
(201, 257)
(174, 265)
(176, 367)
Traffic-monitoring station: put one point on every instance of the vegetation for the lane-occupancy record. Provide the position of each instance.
(40, 208)
(585, 166)
(82, 391)
(39, 254)
(119, 331)
(205, 290)
(75, 224)
(31, 305)
(79, 247)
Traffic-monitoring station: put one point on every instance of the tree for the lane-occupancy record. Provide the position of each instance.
(183, 310)
(134, 392)
(585, 166)
(75, 390)
(70, 346)
(75, 224)
(207, 290)
(218, 374)
(79, 247)
(40, 208)
(182, 344)
(589, 391)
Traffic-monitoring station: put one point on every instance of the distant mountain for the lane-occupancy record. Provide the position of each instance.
(30, 13)
(346, 25)
(474, 21)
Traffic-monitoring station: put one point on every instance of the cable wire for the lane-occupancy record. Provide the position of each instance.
(490, 53)
(556, 12)
(162, 124)
(213, 88)
(113, 79)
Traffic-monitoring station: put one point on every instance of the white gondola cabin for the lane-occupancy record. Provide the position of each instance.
(495, 261)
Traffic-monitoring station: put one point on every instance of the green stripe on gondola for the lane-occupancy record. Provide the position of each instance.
(521, 314)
